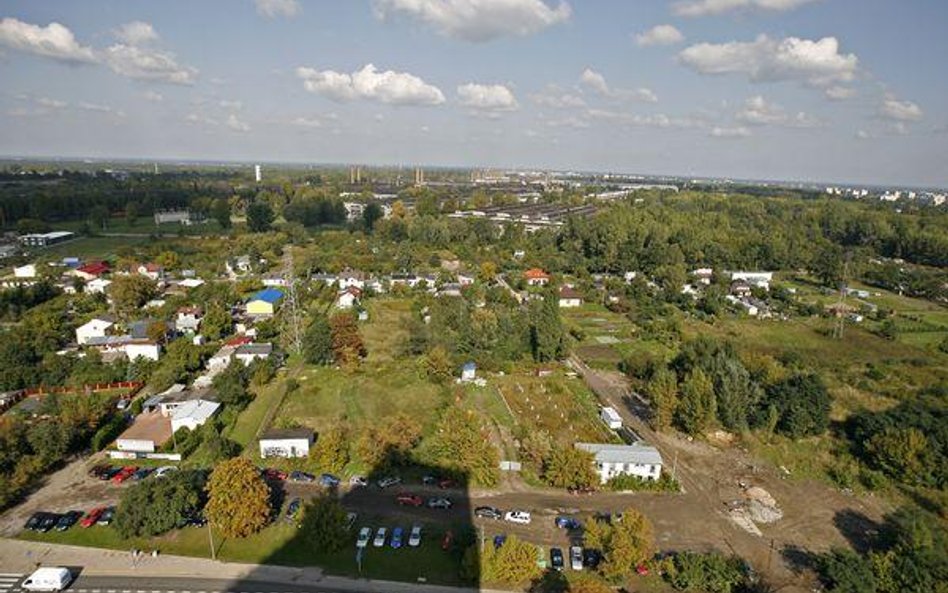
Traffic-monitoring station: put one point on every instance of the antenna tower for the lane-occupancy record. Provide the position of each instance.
(840, 313)
(292, 322)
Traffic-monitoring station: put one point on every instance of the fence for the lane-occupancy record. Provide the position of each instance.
(132, 386)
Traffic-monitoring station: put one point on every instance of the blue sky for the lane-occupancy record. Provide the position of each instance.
(833, 90)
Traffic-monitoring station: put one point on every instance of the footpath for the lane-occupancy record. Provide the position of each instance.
(24, 557)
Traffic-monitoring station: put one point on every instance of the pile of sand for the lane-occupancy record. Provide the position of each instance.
(761, 506)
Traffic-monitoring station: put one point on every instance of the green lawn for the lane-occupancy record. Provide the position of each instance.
(90, 247)
(249, 422)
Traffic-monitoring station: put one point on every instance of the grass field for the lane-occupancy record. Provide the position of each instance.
(608, 337)
(91, 247)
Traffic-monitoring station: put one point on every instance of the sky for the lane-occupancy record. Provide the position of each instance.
(843, 91)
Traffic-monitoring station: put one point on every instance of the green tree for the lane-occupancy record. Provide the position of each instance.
(238, 498)
(712, 572)
(827, 265)
(463, 445)
(130, 293)
(569, 467)
(546, 331)
(231, 385)
(696, 410)
(317, 342)
(131, 213)
(736, 395)
(437, 365)
(803, 405)
(347, 345)
(220, 211)
(331, 452)
(217, 322)
(324, 525)
(370, 215)
(625, 544)
(904, 453)
(259, 217)
(845, 571)
(662, 390)
(514, 563)
(99, 217)
(152, 507)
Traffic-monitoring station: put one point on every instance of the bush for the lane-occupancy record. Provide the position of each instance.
(712, 572)
(629, 483)
(108, 432)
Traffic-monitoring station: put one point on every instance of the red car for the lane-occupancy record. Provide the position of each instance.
(91, 517)
(409, 500)
(447, 483)
(274, 474)
(124, 474)
(447, 541)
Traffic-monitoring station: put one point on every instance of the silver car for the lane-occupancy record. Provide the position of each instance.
(379, 540)
(414, 540)
(364, 534)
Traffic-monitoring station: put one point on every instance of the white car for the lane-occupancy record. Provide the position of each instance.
(379, 540)
(364, 534)
(164, 471)
(521, 517)
(414, 540)
(389, 481)
(576, 558)
(357, 481)
(48, 579)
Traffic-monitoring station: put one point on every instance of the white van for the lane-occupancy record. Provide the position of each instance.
(48, 579)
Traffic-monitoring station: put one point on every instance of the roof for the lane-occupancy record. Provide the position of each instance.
(198, 410)
(637, 453)
(469, 366)
(535, 273)
(264, 349)
(568, 292)
(94, 268)
(238, 341)
(275, 434)
(269, 295)
(190, 311)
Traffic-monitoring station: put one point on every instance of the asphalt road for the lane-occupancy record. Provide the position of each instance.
(147, 584)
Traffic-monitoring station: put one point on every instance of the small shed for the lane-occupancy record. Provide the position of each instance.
(286, 442)
(469, 371)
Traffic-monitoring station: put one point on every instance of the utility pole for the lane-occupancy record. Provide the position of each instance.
(292, 323)
(210, 537)
(840, 313)
(675, 466)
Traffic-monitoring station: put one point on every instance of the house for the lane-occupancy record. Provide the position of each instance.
(91, 270)
(72, 262)
(94, 328)
(536, 277)
(703, 275)
(225, 355)
(149, 432)
(191, 283)
(469, 371)
(757, 279)
(409, 280)
(449, 290)
(247, 353)
(274, 279)
(46, 239)
(192, 414)
(147, 349)
(351, 278)
(740, 289)
(346, 299)
(570, 297)
(151, 270)
(286, 442)
(27, 271)
(628, 277)
(327, 279)
(97, 286)
(264, 303)
(610, 417)
(643, 461)
(189, 319)
(745, 302)
(238, 265)
(184, 217)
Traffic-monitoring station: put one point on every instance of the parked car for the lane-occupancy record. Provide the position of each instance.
(293, 508)
(556, 559)
(489, 513)
(123, 404)
(92, 517)
(446, 483)
(164, 471)
(195, 519)
(303, 477)
(389, 481)
(379, 540)
(414, 540)
(429, 480)
(358, 481)
(568, 523)
(439, 503)
(98, 470)
(124, 474)
(106, 517)
(271, 473)
(576, 558)
(447, 540)
(591, 558)
(364, 535)
(141, 473)
(499, 541)
(411, 500)
(109, 473)
(350, 520)
(67, 520)
(33, 522)
(329, 481)
(396, 541)
(521, 517)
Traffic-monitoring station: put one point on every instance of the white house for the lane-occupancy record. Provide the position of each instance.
(703, 275)
(643, 461)
(27, 271)
(152, 271)
(536, 277)
(287, 442)
(347, 299)
(247, 353)
(142, 349)
(569, 297)
(758, 279)
(192, 414)
(94, 328)
(351, 278)
(189, 319)
(610, 417)
(98, 286)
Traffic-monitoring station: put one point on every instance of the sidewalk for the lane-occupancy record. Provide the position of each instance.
(23, 557)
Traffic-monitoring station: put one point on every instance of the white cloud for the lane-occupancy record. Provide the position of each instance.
(136, 33)
(660, 35)
(227, 104)
(759, 112)
(641, 94)
(816, 63)
(595, 81)
(695, 8)
(396, 88)
(839, 93)
(568, 122)
(145, 64)
(479, 20)
(52, 41)
(153, 96)
(487, 97)
(863, 135)
(51, 103)
(726, 132)
(555, 98)
(307, 122)
(900, 111)
(197, 118)
(235, 124)
(659, 120)
(278, 8)
(96, 108)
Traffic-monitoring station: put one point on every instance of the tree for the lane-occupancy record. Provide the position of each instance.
(387, 444)
(827, 265)
(238, 498)
(131, 213)
(569, 467)
(712, 572)
(153, 507)
(331, 452)
(662, 390)
(546, 333)
(317, 342)
(99, 217)
(157, 331)
(696, 410)
(587, 582)
(130, 293)
(370, 215)
(845, 571)
(904, 453)
(736, 394)
(803, 405)
(324, 524)
(487, 272)
(259, 217)
(514, 563)
(231, 385)
(624, 544)
(462, 444)
(217, 322)
(437, 365)
(536, 446)
(220, 211)
(347, 345)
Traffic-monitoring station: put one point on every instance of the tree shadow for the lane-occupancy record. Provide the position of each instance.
(860, 531)
(798, 559)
